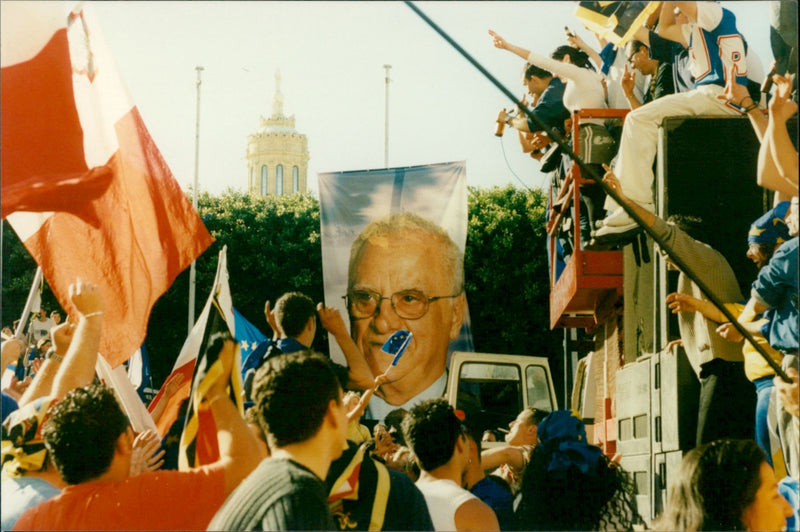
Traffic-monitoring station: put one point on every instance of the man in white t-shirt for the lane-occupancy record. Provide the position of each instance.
(439, 442)
(40, 326)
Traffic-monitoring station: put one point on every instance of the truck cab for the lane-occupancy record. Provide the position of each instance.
(493, 388)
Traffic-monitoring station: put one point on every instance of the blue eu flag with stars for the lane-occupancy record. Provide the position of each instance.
(247, 335)
(396, 344)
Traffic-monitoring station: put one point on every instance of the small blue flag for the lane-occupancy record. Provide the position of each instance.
(247, 334)
(396, 344)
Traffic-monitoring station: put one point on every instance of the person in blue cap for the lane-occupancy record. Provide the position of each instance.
(571, 485)
(767, 233)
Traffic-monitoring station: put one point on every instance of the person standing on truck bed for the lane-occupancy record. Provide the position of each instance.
(727, 399)
(511, 459)
(716, 48)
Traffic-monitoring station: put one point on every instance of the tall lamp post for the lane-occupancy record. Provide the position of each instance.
(192, 272)
(386, 122)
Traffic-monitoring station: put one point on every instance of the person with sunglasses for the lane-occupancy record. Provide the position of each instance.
(661, 80)
(405, 273)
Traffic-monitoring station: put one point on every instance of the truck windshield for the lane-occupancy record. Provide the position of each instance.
(490, 394)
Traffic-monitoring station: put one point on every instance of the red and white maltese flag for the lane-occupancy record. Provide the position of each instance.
(83, 184)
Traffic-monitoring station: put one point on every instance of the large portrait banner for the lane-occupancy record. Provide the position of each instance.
(393, 245)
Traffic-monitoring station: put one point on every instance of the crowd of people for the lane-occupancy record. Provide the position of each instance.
(300, 456)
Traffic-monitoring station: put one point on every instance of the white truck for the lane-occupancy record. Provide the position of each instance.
(493, 388)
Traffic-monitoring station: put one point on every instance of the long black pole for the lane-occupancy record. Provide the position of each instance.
(586, 170)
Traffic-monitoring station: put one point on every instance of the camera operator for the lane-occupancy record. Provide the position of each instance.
(547, 93)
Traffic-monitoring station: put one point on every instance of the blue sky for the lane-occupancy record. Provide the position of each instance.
(331, 57)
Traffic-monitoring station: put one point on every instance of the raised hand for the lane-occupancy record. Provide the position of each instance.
(86, 298)
(269, 314)
(62, 337)
(498, 41)
(540, 140)
(575, 41)
(628, 80)
(332, 320)
(147, 453)
(781, 106)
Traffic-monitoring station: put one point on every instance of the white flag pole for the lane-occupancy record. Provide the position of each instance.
(192, 274)
(32, 295)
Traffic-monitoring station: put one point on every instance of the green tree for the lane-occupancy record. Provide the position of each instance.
(506, 274)
(17, 276)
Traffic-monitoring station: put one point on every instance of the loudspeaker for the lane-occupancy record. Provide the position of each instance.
(675, 395)
(633, 408)
(639, 467)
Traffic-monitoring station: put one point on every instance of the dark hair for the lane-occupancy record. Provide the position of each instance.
(601, 499)
(765, 251)
(82, 432)
(714, 485)
(251, 418)
(638, 45)
(576, 57)
(431, 430)
(533, 70)
(692, 226)
(292, 394)
(292, 312)
(473, 433)
(534, 416)
(394, 420)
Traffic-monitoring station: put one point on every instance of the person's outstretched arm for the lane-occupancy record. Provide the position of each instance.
(783, 152)
(359, 375)
(668, 27)
(42, 384)
(238, 449)
(613, 183)
(576, 42)
(506, 454)
(358, 411)
(678, 302)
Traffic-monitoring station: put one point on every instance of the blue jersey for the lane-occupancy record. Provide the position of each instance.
(715, 48)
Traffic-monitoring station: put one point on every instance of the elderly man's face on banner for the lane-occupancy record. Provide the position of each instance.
(406, 274)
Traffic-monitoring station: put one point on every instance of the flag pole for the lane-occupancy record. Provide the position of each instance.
(37, 281)
(386, 122)
(192, 271)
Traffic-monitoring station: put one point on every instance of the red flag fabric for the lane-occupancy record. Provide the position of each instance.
(84, 185)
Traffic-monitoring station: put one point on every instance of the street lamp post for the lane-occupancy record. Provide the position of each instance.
(192, 272)
(386, 122)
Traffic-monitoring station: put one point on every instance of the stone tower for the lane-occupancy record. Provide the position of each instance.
(277, 156)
